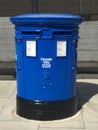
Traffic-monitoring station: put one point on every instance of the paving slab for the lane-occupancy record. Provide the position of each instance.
(85, 119)
(3, 102)
(6, 113)
(94, 99)
(58, 129)
(90, 113)
(6, 88)
(92, 126)
(10, 125)
(75, 122)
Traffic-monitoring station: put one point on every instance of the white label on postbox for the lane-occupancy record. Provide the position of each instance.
(31, 48)
(61, 48)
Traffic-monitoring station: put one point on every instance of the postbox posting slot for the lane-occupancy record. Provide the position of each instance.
(62, 33)
(35, 33)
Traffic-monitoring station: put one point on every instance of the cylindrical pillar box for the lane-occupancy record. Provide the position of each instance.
(46, 64)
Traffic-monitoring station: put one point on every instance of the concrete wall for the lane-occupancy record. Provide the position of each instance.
(88, 45)
(15, 7)
(86, 8)
(59, 6)
(7, 45)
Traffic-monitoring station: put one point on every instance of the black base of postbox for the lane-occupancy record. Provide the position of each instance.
(39, 110)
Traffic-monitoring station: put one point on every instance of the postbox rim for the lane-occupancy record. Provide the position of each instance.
(47, 18)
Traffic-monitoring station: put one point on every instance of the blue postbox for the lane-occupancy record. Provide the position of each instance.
(46, 64)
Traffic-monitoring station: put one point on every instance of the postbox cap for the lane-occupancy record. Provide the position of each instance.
(46, 18)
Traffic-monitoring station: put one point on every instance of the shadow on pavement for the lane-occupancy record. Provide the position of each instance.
(85, 91)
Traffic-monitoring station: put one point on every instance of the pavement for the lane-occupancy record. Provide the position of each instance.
(85, 119)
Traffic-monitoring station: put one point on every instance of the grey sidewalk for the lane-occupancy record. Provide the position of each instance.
(85, 119)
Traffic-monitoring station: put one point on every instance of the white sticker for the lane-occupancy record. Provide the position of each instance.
(31, 48)
(61, 48)
(46, 62)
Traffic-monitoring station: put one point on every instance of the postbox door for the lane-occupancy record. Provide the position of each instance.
(45, 72)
